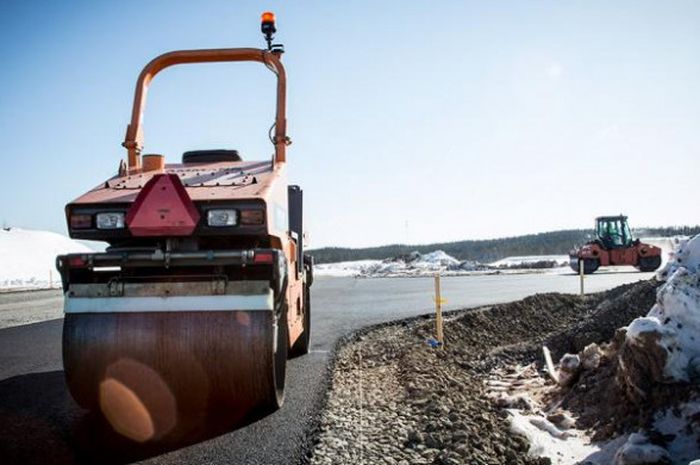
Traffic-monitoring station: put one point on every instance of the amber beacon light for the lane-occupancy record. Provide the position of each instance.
(267, 26)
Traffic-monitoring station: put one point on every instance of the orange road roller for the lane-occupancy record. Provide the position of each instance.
(203, 291)
(614, 246)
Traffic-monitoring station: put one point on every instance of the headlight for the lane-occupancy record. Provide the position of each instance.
(112, 220)
(222, 218)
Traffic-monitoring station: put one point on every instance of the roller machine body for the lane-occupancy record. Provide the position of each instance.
(204, 289)
(614, 245)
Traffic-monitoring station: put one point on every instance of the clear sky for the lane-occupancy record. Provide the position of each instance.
(412, 121)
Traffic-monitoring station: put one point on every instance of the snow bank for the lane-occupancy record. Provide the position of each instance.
(411, 264)
(344, 269)
(678, 425)
(27, 257)
(416, 264)
(674, 322)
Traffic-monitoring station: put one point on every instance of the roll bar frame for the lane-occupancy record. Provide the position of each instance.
(133, 141)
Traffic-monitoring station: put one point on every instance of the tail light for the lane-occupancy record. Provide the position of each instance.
(77, 261)
(80, 221)
(263, 258)
(252, 217)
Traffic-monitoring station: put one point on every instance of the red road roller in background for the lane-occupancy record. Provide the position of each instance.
(614, 246)
(203, 291)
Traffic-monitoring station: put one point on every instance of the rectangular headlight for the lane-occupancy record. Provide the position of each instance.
(221, 218)
(111, 220)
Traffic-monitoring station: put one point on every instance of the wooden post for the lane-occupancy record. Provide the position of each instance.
(581, 272)
(50, 278)
(438, 310)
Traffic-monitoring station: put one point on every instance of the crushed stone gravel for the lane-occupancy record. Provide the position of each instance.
(395, 400)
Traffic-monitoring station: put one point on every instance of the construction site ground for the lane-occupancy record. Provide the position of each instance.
(394, 399)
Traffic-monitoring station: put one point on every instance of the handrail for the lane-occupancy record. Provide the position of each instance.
(133, 142)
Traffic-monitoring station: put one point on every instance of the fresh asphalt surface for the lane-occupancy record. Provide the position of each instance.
(40, 423)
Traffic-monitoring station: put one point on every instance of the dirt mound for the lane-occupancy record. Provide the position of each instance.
(612, 310)
(395, 400)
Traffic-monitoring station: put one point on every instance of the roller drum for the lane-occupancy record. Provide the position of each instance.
(155, 374)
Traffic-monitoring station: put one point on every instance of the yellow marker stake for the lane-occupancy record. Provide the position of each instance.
(438, 310)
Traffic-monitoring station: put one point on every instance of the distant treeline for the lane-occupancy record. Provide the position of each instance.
(549, 243)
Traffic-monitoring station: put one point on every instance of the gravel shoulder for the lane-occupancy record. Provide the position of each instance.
(395, 400)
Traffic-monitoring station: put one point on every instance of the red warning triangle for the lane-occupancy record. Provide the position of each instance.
(162, 208)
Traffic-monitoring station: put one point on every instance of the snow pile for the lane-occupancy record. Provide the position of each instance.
(678, 425)
(561, 445)
(673, 423)
(417, 264)
(343, 269)
(674, 322)
(410, 264)
(27, 257)
(438, 258)
(663, 348)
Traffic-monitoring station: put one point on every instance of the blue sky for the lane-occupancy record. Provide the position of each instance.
(412, 121)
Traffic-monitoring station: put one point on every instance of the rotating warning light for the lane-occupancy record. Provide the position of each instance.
(267, 26)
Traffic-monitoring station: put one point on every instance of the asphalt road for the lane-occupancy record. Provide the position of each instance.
(40, 423)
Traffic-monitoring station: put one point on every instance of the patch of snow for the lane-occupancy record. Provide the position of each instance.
(411, 264)
(685, 255)
(343, 269)
(675, 317)
(28, 258)
(561, 447)
(639, 451)
(439, 258)
(417, 264)
(680, 424)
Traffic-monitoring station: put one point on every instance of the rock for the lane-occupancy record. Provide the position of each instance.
(434, 441)
(415, 437)
(590, 356)
(561, 420)
(518, 401)
(569, 367)
(639, 451)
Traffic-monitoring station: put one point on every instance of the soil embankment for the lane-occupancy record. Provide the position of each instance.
(396, 400)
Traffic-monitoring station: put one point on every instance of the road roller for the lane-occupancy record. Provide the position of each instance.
(614, 245)
(203, 291)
